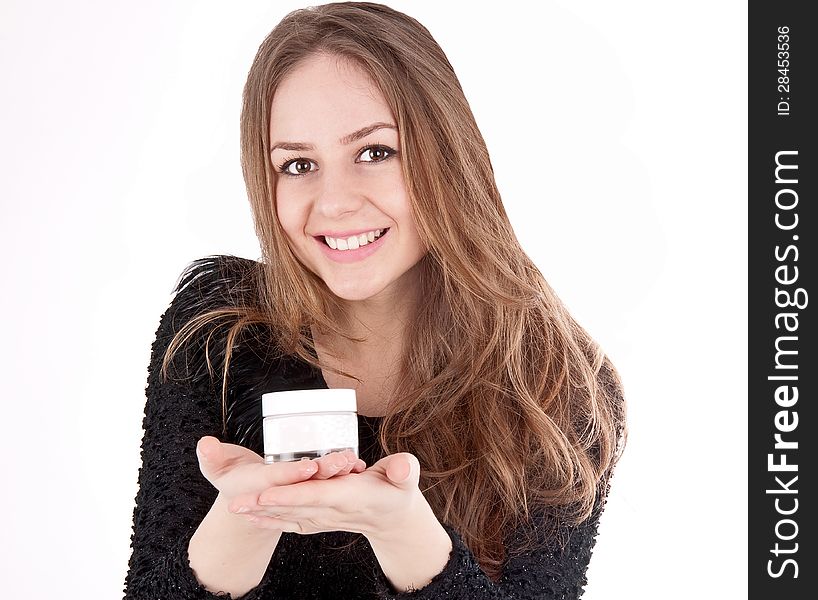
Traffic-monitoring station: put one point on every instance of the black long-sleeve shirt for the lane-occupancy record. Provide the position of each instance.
(174, 497)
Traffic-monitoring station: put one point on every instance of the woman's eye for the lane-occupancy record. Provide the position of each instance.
(377, 153)
(302, 167)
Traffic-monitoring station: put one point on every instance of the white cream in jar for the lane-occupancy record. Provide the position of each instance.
(308, 423)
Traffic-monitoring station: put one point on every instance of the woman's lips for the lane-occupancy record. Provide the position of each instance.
(349, 256)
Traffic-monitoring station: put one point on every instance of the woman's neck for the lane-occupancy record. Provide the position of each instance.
(382, 320)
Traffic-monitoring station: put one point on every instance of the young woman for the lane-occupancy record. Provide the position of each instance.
(490, 421)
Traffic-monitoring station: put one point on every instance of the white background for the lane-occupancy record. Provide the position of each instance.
(617, 131)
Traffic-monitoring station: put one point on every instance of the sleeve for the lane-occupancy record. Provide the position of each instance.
(174, 496)
(554, 570)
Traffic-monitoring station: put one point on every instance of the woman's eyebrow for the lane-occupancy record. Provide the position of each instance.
(347, 139)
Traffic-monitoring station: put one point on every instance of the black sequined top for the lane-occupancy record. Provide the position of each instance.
(174, 497)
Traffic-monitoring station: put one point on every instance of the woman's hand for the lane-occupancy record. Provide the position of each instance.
(239, 472)
(375, 502)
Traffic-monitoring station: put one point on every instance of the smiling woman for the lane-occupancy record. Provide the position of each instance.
(345, 192)
(490, 420)
(352, 186)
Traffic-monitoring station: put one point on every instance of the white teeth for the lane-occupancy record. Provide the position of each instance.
(353, 242)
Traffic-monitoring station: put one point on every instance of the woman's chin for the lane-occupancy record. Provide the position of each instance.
(353, 296)
(354, 293)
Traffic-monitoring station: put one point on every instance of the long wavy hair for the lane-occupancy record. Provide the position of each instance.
(506, 401)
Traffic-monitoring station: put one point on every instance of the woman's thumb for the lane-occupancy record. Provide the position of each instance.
(403, 469)
(209, 450)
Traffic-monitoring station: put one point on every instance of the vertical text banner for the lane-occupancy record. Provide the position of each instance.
(783, 369)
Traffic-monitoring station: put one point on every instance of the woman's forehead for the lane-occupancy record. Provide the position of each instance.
(320, 101)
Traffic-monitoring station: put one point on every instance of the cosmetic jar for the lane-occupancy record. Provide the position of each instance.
(308, 423)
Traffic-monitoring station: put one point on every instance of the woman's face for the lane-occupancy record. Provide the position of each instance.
(334, 147)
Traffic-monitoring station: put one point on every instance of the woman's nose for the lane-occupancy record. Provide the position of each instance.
(339, 194)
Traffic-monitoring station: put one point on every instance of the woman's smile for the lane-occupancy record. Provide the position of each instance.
(352, 248)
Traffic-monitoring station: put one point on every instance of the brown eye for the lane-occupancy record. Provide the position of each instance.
(377, 153)
(302, 167)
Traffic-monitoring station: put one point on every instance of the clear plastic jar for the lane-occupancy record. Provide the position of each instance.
(308, 423)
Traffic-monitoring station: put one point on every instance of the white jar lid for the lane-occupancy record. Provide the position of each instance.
(301, 401)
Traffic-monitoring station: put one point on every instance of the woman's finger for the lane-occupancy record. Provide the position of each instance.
(351, 459)
(239, 468)
(275, 524)
(209, 449)
(330, 465)
(285, 473)
(244, 504)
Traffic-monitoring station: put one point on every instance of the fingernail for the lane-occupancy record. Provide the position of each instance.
(242, 509)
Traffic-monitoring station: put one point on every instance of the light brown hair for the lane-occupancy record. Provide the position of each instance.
(505, 399)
